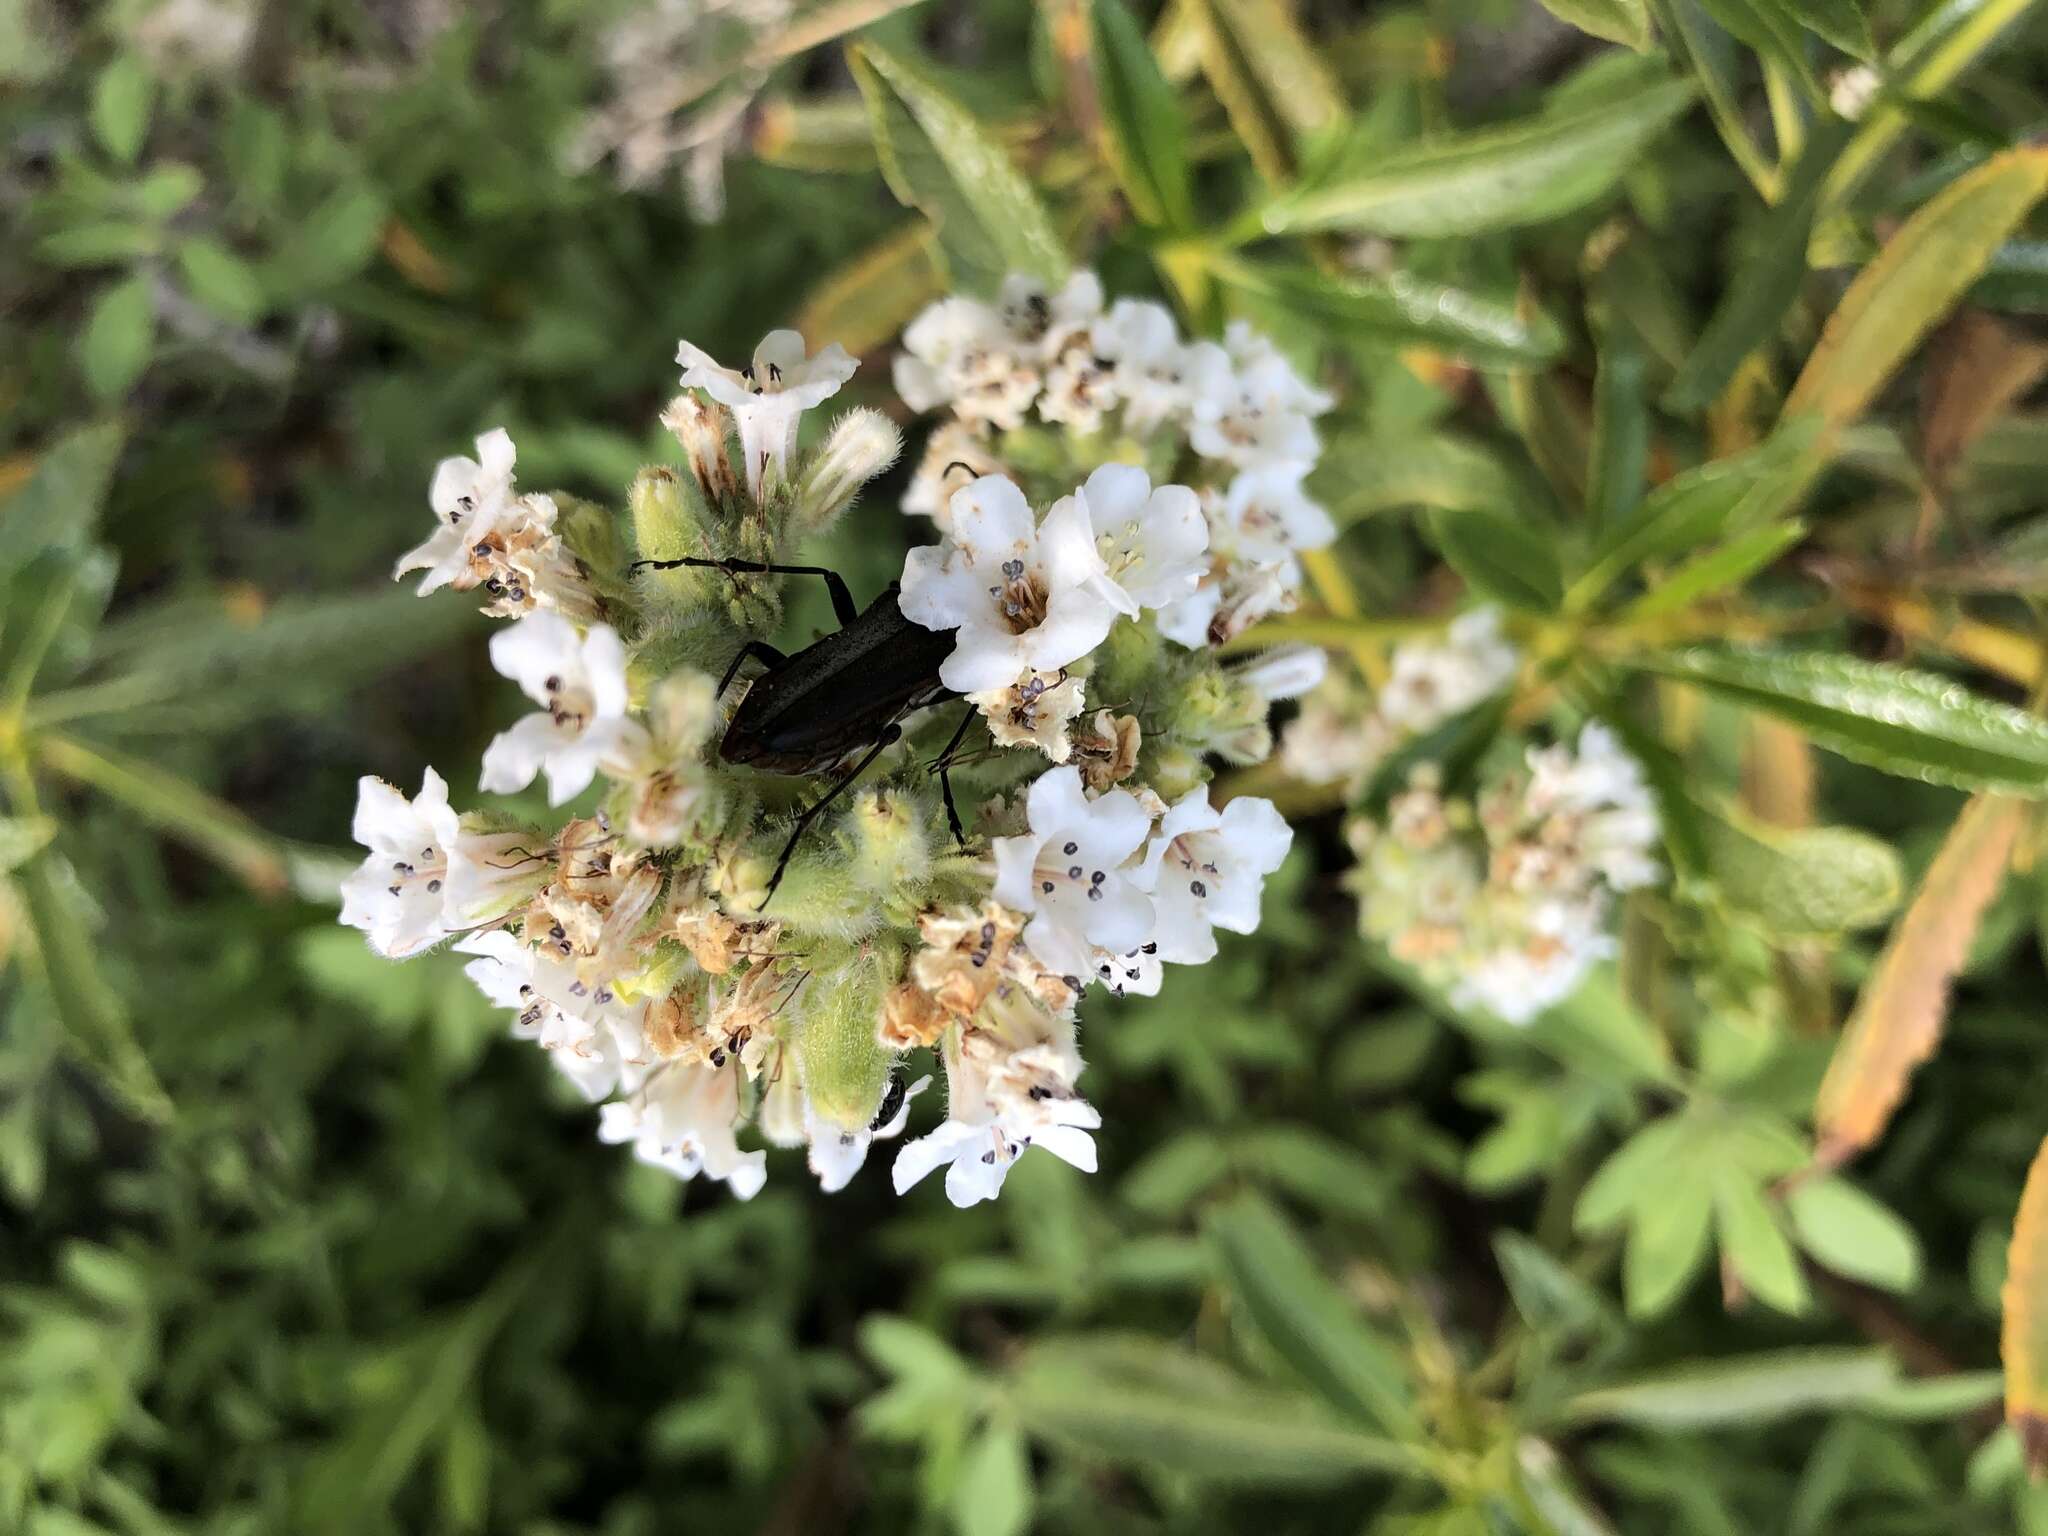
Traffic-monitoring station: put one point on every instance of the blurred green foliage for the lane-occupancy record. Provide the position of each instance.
(291, 1241)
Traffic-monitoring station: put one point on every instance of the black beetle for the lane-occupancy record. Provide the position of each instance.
(807, 713)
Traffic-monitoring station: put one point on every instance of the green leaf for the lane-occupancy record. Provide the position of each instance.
(21, 838)
(329, 245)
(1173, 1175)
(1361, 475)
(938, 160)
(1276, 90)
(121, 101)
(59, 507)
(1754, 1242)
(1751, 309)
(1508, 560)
(1910, 723)
(1769, 27)
(1141, 117)
(1717, 570)
(119, 335)
(221, 280)
(1316, 1169)
(1402, 311)
(993, 1496)
(1840, 22)
(99, 243)
(1690, 509)
(1137, 1401)
(1915, 280)
(1307, 1321)
(167, 189)
(1549, 1296)
(1667, 1242)
(1620, 454)
(1805, 882)
(1754, 1389)
(1854, 1235)
(2023, 1334)
(1619, 21)
(1495, 178)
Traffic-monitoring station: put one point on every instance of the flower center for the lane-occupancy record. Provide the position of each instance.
(1020, 596)
(570, 704)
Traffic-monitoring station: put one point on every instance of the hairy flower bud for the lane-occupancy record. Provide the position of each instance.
(862, 445)
(670, 519)
(845, 1067)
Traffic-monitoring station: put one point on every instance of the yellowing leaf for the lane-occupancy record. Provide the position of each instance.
(2023, 1341)
(1915, 281)
(1899, 1015)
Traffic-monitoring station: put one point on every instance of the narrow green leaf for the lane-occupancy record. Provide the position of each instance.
(121, 100)
(1309, 1324)
(1693, 508)
(21, 838)
(1504, 559)
(1361, 475)
(173, 806)
(1620, 455)
(330, 245)
(1754, 1389)
(1854, 1235)
(1840, 22)
(1716, 571)
(1752, 308)
(1496, 178)
(1403, 311)
(1136, 1401)
(1917, 278)
(119, 335)
(1147, 138)
(1910, 723)
(938, 160)
(59, 507)
(1619, 21)
(2023, 1333)
(1805, 882)
(1276, 90)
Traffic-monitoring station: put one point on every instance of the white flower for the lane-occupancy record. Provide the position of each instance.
(954, 456)
(1136, 972)
(1046, 322)
(397, 896)
(580, 684)
(1142, 342)
(1205, 869)
(958, 352)
(1154, 543)
(1250, 412)
(1067, 871)
(471, 498)
(1000, 1101)
(836, 1154)
(768, 398)
(682, 1119)
(1539, 963)
(504, 972)
(1266, 516)
(1431, 681)
(1034, 711)
(1605, 806)
(1020, 595)
(1286, 672)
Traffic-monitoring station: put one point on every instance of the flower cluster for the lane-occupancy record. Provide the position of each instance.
(1046, 385)
(1342, 734)
(1503, 899)
(723, 955)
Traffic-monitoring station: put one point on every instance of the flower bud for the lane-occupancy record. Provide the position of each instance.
(863, 444)
(845, 1067)
(892, 848)
(669, 523)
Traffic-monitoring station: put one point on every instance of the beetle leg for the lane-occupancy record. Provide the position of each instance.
(943, 766)
(887, 739)
(761, 650)
(842, 600)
